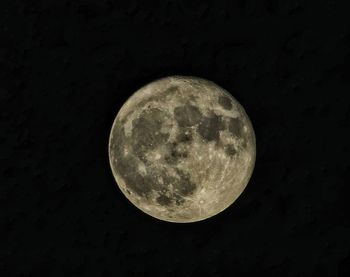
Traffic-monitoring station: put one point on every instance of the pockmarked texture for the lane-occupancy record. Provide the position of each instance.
(182, 149)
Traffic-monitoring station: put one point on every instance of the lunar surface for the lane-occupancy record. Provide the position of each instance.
(182, 149)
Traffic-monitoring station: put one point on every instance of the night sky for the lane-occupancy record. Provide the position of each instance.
(66, 67)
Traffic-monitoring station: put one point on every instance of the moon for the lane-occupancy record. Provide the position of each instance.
(182, 149)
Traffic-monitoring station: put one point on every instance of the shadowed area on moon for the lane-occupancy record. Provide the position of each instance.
(235, 126)
(225, 102)
(187, 115)
(209, 127)
(146, 133)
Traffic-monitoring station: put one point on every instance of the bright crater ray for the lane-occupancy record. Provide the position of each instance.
(182, 149)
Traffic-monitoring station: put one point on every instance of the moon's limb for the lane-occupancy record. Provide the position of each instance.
(182, 149)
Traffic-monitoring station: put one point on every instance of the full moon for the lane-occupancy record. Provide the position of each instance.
(182, 149)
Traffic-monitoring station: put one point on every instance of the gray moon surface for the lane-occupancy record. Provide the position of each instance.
(182, 149)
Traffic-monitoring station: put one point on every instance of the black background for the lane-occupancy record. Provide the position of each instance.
(66, 67)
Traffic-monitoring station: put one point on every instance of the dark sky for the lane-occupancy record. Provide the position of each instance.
(66, 67)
